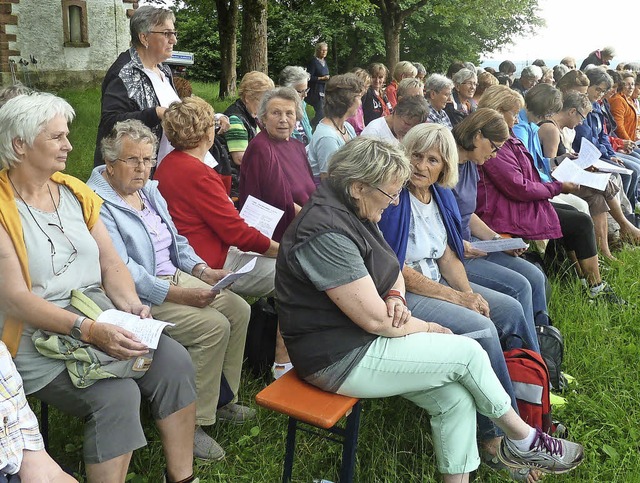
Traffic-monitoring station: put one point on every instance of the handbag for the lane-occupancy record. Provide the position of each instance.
(85, 363)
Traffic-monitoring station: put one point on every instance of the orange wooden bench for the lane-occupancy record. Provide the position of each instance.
(305, 403)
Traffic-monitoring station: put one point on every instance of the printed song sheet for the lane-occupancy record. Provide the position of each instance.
(147, 330)
(260, 215)
(232, 277)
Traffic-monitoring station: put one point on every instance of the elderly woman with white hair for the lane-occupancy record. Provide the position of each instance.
(462, 102)
(275, 168)
(298, 78)
(346, 325)
(52, 241)
(438, 92)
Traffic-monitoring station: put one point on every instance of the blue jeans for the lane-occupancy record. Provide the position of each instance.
(463, 321)
(630, 182)
(513, 276)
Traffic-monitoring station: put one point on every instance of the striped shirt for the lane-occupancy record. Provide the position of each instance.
(18, 425)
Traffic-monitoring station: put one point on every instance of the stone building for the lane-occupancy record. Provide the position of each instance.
(71, 41)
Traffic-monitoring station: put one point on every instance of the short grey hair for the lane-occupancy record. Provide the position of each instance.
(463, 75)
(286, 93)
(559, 71)
(25, 117)
(576, 100)
(146, 17)
(111, 145)
(608, 51)
(409, 83)
(423, 137)
(437, 82)
(14, 90)
(371, 161)
(599, 76)
(531, 72)
(420, 68)
(413, 107)
(292, 75)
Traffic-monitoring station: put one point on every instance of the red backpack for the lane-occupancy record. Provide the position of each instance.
(530, 379)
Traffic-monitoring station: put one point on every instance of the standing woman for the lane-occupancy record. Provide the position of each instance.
(138, 85)
(319, 75)
(343, 98)
(375, 103)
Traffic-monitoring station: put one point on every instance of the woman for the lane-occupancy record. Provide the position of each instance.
(276, 169)
(424, 232)
(298, 78)
(529, 77)
(478, 141)
(512, 198)
(438, 92)
(210, 222)
(409, 112)
(348, 330)
(623, 108)
(462, 103)
(485, 80)
(575, 108)
(52, 241)
(169, 276)
(319, 75)
(343, 96)
(375, 103)
(138, 85)
(357, 120)
(242, 114)
(402, 70)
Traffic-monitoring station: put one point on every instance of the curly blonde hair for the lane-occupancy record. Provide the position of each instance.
(186, 123)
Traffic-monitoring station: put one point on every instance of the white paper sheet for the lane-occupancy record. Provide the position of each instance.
(569, 171)
(147, 330)
(232, 277)
(588, 155)
(499, 245)
(605, 167)
(260, 215)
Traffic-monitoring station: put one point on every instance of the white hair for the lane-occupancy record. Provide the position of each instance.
(24, 117)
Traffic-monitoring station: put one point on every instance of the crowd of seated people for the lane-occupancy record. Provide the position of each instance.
(436, 161)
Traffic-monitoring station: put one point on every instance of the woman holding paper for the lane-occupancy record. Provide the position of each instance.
(52, 241)
(169, 276)
(513, 198)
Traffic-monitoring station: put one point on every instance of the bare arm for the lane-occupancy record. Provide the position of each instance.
(359, 300)
(480, 229)
(453, 272)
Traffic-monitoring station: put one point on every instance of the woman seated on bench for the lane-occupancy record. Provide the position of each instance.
(347, 328)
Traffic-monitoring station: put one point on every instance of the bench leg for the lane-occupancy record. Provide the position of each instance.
(347, 469)
(290, 450)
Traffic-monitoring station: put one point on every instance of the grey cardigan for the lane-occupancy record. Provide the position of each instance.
(133, 241)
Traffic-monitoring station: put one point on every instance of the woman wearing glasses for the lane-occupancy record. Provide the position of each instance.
(465, 82)
(343, 94)
(298, 78)
(52, 241)
(168, 274)
(138, 85)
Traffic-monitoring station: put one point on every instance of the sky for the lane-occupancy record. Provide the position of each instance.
(576, 28)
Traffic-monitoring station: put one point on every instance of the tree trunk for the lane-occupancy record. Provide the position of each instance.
(227, 29)
(392, 27)
(254, 36)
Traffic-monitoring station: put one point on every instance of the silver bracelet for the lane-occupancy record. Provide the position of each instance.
(202, 271)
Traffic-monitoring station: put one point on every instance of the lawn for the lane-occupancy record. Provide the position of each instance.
(602, 352)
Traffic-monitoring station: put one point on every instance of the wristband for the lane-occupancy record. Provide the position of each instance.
(202, 272)
(397, 294)
(496, 237)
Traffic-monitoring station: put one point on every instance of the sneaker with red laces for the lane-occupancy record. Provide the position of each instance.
(546, 453)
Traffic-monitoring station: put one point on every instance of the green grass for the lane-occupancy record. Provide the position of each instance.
(602, 352)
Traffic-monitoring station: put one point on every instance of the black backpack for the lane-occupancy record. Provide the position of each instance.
(552, 351)
(260, 347)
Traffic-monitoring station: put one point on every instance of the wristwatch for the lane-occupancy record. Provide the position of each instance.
(76, 331)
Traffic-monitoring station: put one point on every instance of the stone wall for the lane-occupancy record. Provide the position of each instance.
(36, 28)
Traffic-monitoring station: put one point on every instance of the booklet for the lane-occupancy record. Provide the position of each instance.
(232, 277)
(499, 245)
(147, 330)
(569, 171)
(261, 216)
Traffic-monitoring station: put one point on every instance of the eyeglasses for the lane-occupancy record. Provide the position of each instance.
(392, 199)
(581, 115)
(135, 162)
(599, 90)
(72, 257)
(493, 145)
(303, 92)
(167, 33)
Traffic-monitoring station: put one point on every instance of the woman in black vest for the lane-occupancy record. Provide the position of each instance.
(346, 326)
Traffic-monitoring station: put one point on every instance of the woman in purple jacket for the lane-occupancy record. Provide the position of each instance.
(513, 199)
